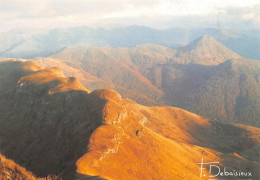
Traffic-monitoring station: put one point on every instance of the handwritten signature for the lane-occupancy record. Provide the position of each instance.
(216, 171)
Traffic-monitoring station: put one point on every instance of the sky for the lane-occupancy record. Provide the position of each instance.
(159, 14)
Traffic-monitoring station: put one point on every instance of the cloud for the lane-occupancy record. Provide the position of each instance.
(248, 16)
(154, 13)
(240, 17)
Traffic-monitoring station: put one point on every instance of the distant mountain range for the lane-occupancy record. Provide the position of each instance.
(32, 43)
(51, 124)
(204, 77)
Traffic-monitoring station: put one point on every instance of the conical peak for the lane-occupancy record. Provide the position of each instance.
(205, 40)
(206, 37)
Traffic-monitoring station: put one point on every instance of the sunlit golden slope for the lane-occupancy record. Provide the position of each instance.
(138, 142)
(51, 124)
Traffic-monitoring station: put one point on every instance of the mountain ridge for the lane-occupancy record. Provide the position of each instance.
(155, 75)
(75, 133)
(38, 42)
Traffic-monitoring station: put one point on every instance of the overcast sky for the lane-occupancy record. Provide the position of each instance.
(240, 14)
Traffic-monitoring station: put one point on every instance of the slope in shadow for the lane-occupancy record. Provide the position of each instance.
(46, 132)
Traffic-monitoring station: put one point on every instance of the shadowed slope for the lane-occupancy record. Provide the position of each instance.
(229, 92)
(46, 115)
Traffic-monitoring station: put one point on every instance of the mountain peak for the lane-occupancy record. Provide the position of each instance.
(203, 42)
(206, 37)
(206, 51)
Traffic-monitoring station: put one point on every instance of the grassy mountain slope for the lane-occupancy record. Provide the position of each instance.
(51, 124)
